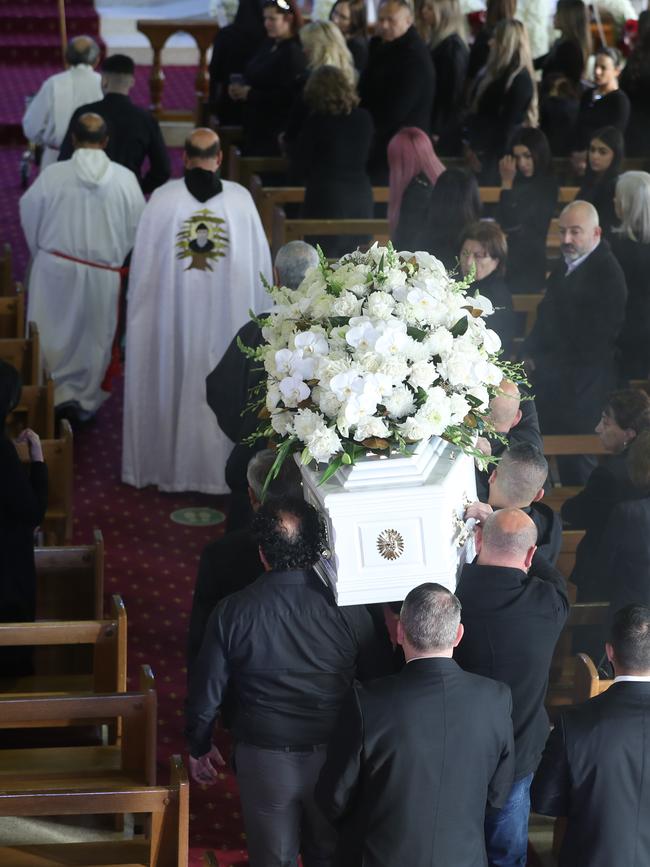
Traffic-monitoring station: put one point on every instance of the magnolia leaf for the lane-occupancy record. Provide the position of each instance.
(375, 443)
(460, 327)
(476, 312)
(263, 413)
(470, 420)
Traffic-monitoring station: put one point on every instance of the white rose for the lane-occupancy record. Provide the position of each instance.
(415, 429)
(380, 305)
(400, 402)
(347, 304)
(436, 410)
(293, 391)
(282, 423)
(306, 422)
(323, 444)
(439, 342)
(369, 426)
(322, 307)
(423, 374)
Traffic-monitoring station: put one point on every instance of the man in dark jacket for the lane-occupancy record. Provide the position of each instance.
(571, 350)
(517, 482)
(416, 757)
(514, 609)
(594, 767)
(398, 84)
(133, 132)
(288, 654)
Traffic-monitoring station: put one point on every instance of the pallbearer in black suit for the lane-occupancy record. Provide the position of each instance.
(594, 768)
(514, 607)
(416, 757)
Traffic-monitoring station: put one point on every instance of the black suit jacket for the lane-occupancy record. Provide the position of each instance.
(623, 561)
(512, 623)
(413, 762)
(573, 342)
(133, 135)
(595, 772)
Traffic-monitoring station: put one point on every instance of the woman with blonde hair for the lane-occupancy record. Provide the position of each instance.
(496, 10)
(631, 246)
(324, 45)
(442, 26)
(504, 98)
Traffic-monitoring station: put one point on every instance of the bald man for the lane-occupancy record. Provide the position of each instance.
(571, 351)
(514, 417)
(198, 267)
(514, 607)
(48, 114)
(79, 218)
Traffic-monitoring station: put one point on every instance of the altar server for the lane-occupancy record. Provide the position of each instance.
(48, 114)
(198, 267)
(79, 220)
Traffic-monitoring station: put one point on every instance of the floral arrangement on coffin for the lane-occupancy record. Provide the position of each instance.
(377, 352)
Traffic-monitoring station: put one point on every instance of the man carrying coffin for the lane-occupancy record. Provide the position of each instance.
(198, 266)
(79, 219)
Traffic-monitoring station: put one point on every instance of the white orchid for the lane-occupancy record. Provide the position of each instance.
(293, 390)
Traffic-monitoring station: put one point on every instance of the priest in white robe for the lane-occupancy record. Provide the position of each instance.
(48, 114)
(197, 268)
(79, 218)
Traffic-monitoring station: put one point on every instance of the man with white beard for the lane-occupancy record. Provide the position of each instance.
(48, 114)
(198, 267)
(79, 219)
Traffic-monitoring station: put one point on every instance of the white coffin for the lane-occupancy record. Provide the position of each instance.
(394, 522)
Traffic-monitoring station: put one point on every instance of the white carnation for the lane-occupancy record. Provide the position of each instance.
(396, 368)
(459, 408)
(436, 410)
(273, 397)
(380, 305)
(347, 304)
(323, 444)
(400, 402)
(306, 422)
(415, 429)
(439, 342)
(282, 423)
(369, 426)
(423, 374)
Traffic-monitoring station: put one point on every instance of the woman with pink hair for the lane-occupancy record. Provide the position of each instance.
(414, 169)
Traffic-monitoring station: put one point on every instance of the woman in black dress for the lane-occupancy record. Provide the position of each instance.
(414, 170)
(605, 104)
(605, 156)
(631, 246)
(484, 252)
(333, 150)
(442, 26)
(504, 99)
(271, 79)
(496, 10)
(627, 414)
(526, 205)
(569, 54)
(635, 83)
(23, 501)
(350, 17)
(455, 204)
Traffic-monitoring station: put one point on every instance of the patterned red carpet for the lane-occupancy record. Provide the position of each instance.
(29, 29)
(151, 561)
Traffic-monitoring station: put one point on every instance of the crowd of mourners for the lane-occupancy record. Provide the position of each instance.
(412, 733)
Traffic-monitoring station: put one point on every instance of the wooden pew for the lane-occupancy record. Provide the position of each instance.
(527, 303)
(12, 316)
(57, 673)
(130, 761)
(567, 558)
(285, 230)
(569, 444)
(491, 195)
(165, 843)
(35, 410)
(24, 353)
(6, 271)
(241, 169)
(57, 526)
(561, 677)
(70, 581)
(229, 137)
(587, 684)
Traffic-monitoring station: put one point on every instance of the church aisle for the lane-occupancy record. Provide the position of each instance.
(151, 561)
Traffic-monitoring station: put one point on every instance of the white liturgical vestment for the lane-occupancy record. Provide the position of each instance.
(196, 273)
(85, 208)
(47, 116)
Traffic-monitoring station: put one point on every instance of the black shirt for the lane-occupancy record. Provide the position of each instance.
(289, 654)
(133, 136)
(512, 623)
(596, 112)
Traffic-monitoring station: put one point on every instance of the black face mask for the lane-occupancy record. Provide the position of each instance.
(203, 184)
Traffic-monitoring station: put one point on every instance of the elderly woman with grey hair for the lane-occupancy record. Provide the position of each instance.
(631, 246)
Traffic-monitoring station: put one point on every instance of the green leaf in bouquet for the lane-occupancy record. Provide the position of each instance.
(418, 334)
(305, 457)
(331, 468)
(460, 327)
(280, 458)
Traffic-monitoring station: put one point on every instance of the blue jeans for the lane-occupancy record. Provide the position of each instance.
(506, 830)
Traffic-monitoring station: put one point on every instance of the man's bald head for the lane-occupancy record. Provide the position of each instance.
(579, 230)
(508, 538)
(203, 150)
(504, 412)
(89, 131)
(82, 49)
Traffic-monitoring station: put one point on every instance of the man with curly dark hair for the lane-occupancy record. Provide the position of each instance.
(287, 654)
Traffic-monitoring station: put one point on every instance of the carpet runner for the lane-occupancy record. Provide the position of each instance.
(29, 29)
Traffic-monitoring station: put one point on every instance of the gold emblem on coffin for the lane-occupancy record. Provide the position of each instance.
(390, 544)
